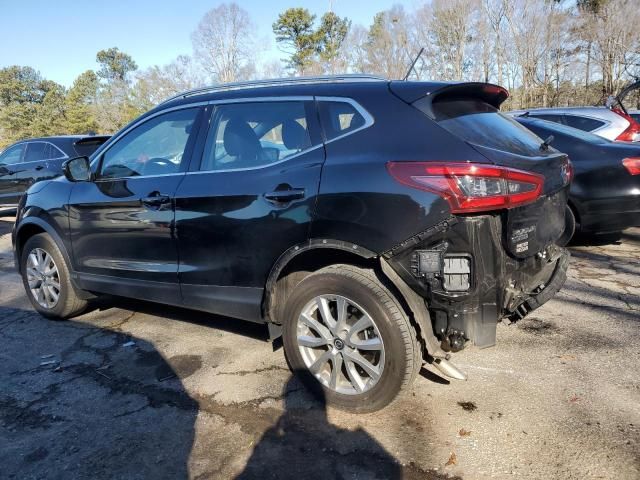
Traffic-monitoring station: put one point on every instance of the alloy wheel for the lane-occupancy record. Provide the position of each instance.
(340, 344)
(43, 278)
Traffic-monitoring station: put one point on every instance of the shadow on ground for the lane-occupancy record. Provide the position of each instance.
(84, 402)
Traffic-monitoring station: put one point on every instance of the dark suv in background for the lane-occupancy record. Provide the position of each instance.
(376, 225)
(29, 161)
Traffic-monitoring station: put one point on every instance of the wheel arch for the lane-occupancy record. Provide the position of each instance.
(301, 260)
(34, 226)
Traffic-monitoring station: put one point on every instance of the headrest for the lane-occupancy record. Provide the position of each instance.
(294, 135)
(240, 139)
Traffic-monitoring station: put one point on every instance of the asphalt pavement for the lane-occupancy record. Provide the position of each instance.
(132, 390)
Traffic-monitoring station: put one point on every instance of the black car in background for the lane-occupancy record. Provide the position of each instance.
(374, 224)
(605, 192)
(29, 161)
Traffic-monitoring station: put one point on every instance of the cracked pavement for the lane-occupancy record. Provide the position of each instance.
(134, 390)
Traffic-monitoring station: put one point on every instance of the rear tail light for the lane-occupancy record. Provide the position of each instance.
(470, 187)
(632, 165)
(631, 133)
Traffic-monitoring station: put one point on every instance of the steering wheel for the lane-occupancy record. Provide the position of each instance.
(153, 164)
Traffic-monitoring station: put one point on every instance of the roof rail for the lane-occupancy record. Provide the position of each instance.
(352, 77)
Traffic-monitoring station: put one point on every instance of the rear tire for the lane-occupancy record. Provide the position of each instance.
(46, 279)
(365, 354)
(570, 227)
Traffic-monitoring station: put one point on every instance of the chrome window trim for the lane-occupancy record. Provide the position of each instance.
(117, 179)
(368, 118)
(369, 121)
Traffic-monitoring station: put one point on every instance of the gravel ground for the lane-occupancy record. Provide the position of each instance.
(133, 390)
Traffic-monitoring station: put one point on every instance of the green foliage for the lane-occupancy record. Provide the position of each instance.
(20, 85)
(80, 104)
(114, 64)
(333, 31)
(306, 45)
(294, 30)
(51, 118)
(29, 105)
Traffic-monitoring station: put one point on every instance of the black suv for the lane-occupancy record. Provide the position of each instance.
(30, 161)
(374, 224)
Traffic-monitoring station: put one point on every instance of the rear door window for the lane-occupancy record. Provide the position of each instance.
(481, 124)
(583, 123)
(35, 152)
(256, 134)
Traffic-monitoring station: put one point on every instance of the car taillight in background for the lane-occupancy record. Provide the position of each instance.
(470, 187)
(632, 164)
(632, 132)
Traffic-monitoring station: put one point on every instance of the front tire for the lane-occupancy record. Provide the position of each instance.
(349, 340)
(46, 279)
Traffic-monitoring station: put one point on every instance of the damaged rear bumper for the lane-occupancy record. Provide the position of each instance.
(469, 281)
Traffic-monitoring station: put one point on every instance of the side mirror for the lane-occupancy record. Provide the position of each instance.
(4, 170)
(77, 169)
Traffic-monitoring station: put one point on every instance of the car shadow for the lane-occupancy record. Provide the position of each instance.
(596, 240)
(84, 402)
(303, 443)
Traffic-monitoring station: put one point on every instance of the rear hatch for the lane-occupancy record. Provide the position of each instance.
(470, 112)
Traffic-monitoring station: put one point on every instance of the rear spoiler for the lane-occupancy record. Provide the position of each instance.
(411, 92)
(92, 140)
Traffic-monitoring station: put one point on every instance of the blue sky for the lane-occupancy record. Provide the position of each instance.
(61, 38)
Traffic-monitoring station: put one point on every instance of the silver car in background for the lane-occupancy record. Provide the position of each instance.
(599, 120)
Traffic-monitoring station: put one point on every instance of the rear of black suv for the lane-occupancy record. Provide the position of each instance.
(460, 204)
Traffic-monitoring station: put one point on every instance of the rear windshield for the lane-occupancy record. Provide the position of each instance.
(479, 123)
(86, 146)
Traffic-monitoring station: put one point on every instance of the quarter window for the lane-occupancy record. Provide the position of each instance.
(156, 147)
(339, 118)
(51, 152)
(583, 123)
(250, 135)
(12, 155)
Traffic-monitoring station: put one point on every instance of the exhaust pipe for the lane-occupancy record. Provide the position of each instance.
(448, 369)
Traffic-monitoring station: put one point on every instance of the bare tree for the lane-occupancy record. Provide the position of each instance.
(159, 82)
(451, 31)
(387, 46)
(223, 43)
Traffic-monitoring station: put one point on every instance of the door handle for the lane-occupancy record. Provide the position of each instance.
(39, 167)
(156, 200)
(284, 196)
